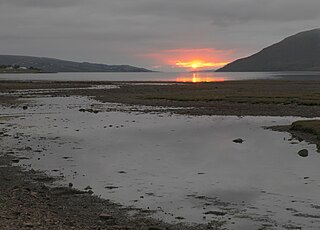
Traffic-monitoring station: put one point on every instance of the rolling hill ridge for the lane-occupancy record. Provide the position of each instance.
(300, 52)
(57, 65)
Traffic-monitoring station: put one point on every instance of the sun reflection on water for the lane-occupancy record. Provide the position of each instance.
(199, 77)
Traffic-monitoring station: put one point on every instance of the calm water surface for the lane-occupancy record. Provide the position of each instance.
(180, 77)
(180, 166)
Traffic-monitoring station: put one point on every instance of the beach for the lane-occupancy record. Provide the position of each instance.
(36, 199)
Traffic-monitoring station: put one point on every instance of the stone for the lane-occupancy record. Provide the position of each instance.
(303, 153)
(238, 141)
(105, 215)
(156, 228)
(217, 213)
(28, 225)
(87, 188)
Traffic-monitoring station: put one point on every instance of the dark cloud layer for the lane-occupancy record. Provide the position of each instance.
(124, 31)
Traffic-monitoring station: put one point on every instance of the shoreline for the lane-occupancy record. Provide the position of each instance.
(299, 135)
(31, 199)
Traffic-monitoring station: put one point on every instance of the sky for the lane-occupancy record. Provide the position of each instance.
(165, 35)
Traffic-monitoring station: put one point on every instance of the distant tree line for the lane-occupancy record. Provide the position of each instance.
(18, 67)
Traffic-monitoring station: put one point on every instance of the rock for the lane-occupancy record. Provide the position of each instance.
(15, 160)
(25, 107)
(70, 185)
(87, 188)
(303, 153)
(34, 194)
(156, 228)
(66, 158)
(111, 187)
(105, 215)
(238, 141)
(28, 225)
(217, 213)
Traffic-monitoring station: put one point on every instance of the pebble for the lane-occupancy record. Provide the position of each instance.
(303, 153)
(238, 141)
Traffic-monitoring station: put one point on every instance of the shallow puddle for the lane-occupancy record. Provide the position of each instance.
(186, 168)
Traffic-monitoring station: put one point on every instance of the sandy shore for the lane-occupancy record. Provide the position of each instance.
(28, 199)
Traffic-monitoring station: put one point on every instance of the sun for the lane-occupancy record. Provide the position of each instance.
(198, 64)
(195, 65)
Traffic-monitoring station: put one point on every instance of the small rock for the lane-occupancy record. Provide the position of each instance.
(217, 213)
(15, 160)
(66, 158)
(303, 153)
(105, 215)
(87, 188)
(111, 187)
(25, 107)
(70, 185)
(34, 194)
(28, 225)
(238, 141)
(156, 228)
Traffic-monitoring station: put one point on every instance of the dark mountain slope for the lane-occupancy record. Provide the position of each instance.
(300, 52)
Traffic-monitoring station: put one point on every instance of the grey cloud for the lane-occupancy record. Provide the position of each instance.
(40, 3)
(118, 31)
(231, 11)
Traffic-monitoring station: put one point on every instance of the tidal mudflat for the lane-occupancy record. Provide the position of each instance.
(179, 168)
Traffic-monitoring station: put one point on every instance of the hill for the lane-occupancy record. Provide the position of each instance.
(300, 52)
(57, 65)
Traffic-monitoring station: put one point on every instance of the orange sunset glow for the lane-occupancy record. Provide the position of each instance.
(198, 64)
(192, 59)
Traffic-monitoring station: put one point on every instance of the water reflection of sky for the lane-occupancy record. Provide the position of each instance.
(159, 76)
(175, 161)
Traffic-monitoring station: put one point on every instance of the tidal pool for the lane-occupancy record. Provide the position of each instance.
(187, 168)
